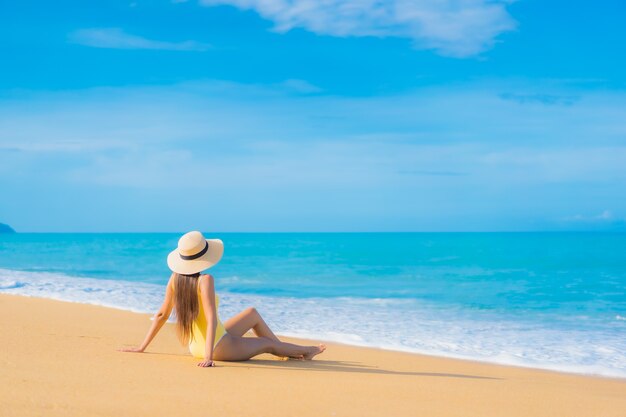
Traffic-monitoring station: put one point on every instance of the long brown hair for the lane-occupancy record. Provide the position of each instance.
(187, 308)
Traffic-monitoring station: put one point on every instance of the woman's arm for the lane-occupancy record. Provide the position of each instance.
(207, 295)
(159, 318)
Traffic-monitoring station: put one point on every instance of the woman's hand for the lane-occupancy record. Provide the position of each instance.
(131, 349)
(206, 363)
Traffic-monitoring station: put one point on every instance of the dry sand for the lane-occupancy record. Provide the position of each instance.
(60, 359)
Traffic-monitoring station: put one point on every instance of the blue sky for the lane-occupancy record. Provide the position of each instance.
(273, 115)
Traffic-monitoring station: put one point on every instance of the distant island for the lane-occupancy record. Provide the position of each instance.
(5, 228)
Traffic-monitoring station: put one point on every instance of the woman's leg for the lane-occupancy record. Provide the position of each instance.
(249, 319)
(237, 348)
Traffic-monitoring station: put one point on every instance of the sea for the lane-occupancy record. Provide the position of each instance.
(554, 301)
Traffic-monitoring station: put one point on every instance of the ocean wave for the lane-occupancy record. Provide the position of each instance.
(395, 324)
(8, 284)
(133, 296)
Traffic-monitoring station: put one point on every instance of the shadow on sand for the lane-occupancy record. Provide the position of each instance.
(318, 365)
(343, 366)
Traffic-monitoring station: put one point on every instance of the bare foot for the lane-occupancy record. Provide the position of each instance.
(314, 351)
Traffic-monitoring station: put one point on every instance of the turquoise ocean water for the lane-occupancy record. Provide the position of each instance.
(546, 300)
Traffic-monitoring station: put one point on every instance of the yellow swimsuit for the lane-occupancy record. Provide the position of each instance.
(198, 340)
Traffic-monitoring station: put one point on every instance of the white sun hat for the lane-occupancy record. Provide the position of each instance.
(195, 254)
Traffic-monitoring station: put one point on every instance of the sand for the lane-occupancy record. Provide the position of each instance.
(60, 359)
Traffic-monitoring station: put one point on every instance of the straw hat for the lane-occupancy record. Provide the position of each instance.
(195, 254)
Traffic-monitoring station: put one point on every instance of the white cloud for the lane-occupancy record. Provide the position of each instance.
(300, 86)
(116, 38)
(546, 99)
(458, 28)
(606, 217)
(431, 159)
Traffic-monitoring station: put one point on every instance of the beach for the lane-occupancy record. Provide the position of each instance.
(60, 358)
(549, 301)
(431, 189)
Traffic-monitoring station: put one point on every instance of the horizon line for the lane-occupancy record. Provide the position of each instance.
(330, 232)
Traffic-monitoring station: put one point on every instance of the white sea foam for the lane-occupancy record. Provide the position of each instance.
(133, 296)
(402, 325)
(8, 284)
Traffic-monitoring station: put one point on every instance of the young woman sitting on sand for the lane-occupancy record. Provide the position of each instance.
(196, 304)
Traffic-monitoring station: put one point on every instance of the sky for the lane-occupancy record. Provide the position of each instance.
(320, 116)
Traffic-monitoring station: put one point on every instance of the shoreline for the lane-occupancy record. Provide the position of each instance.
(458, 358)
(409, 351)
(59, 358)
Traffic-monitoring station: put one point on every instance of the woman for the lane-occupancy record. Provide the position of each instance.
(198, 324)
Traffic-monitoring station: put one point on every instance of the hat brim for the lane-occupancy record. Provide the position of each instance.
(206, 261)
